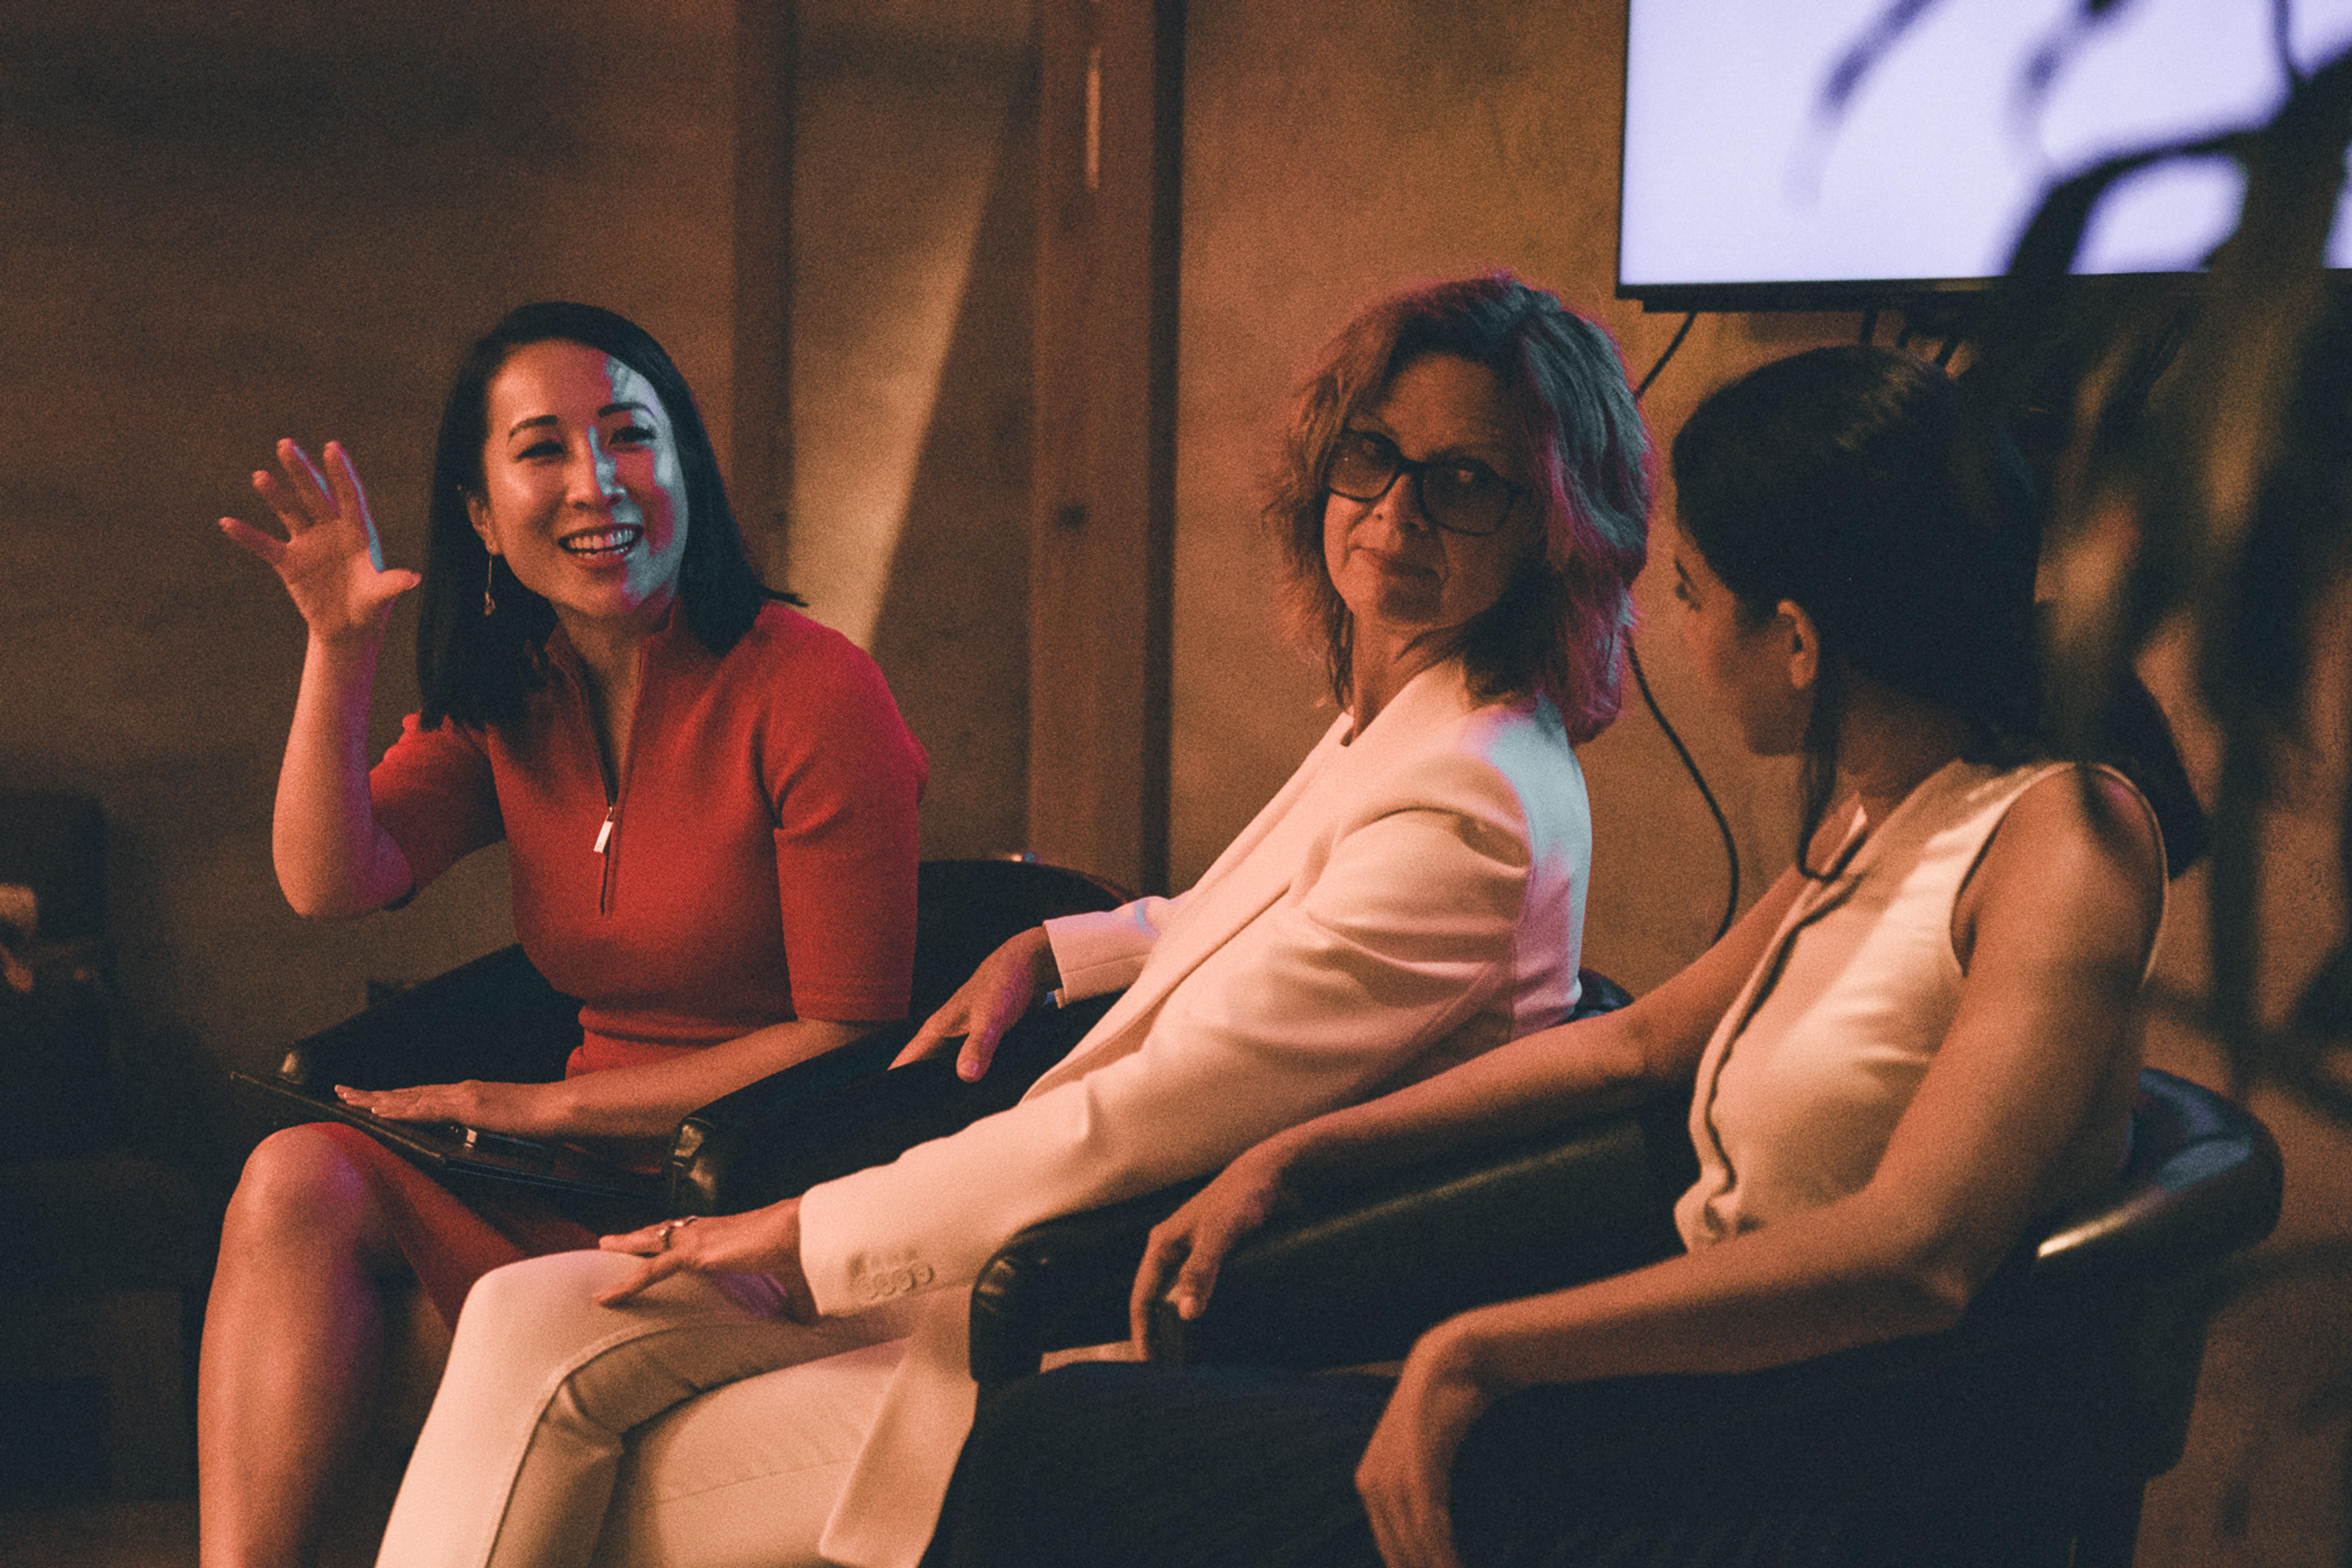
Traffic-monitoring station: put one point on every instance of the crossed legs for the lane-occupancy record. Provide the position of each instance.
(293, 1339)
(567, 1433)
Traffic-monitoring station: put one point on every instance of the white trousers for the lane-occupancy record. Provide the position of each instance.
(691, 1426)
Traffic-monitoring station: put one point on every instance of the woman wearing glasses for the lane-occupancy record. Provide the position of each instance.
(1461, 511)
(1923, 1036)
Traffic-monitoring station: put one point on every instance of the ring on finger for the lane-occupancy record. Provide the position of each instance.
(661, 1236)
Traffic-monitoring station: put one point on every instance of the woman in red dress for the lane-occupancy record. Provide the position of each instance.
(710, 805)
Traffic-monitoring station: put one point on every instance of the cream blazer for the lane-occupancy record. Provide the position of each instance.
(1408, 899)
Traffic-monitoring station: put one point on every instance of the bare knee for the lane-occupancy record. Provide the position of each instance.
(301, 1193)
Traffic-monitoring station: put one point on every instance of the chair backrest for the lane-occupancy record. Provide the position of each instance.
(2116, 1293)
(495, 1017)
(57, 1036)
(844, 1112)
(966, 910)
(55, 844)
(2204, 1180)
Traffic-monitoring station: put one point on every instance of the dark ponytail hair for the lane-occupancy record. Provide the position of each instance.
(1854, 482)
(480, 670)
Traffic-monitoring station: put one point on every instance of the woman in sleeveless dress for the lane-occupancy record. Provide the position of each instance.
(1922, 1038)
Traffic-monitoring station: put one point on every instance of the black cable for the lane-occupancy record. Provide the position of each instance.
(1722, 825)
(1680, 333)
(1633, 659)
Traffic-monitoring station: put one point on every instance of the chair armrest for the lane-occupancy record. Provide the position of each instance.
(1537, 1214)
(1064, 1283)
(2203, 1180)
(1355, 1280)
(495, 1019)
(842, 1111)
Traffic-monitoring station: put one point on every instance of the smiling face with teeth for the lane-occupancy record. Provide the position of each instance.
(583, 493)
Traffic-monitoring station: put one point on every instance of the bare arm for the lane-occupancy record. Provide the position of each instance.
(2054, 929)
(647, 1101)
(1586, 1067)
(334, 859)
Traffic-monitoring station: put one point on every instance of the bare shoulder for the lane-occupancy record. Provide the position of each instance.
(2077, 862)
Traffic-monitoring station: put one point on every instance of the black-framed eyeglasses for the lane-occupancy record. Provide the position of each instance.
(1459, 494)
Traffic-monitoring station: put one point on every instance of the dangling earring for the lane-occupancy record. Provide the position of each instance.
(489, 576)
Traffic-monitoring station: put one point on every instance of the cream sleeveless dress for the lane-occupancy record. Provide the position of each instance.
(1801, 1085)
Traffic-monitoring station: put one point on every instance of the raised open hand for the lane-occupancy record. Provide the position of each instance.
(330, 559)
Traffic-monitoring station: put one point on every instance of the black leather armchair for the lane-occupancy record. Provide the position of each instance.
(107, 1239)
(844, 1110)
(2109, 1304)
(1608, 1188)
(497, 1018)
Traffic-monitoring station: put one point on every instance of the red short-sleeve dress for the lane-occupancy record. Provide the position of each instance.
(753, 863)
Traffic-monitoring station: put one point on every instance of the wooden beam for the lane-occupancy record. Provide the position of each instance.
(1110, 127)
(759, 434)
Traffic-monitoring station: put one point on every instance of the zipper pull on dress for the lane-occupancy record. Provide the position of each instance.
(604, 834)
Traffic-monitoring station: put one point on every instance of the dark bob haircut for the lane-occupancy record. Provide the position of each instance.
(479, 668)
(1560, 625)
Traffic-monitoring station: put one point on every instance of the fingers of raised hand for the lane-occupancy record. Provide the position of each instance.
(282, 500)
(309, 486)
(349, 499)
(390, 585)
(299, 498)
(267, 546)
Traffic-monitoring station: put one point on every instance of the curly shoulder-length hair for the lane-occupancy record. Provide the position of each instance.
(480, 669)
(1560, 625)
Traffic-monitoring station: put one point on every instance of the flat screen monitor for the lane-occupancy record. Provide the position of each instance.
(1744, 188)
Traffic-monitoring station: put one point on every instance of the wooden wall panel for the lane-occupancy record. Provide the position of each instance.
(1109, 132)
(760, 443)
